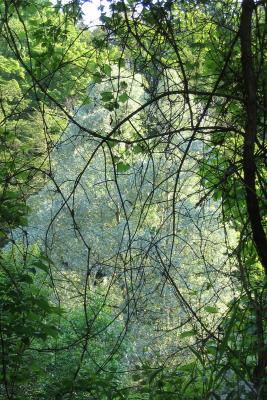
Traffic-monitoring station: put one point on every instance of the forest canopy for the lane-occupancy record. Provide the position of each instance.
(133, 224)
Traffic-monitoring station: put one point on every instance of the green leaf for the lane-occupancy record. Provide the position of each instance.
(119, 6)
(121, 167)
(188, 367)
(187, 334)
(211, 310)
(43, 304)
(92, 67)
(212, 350)
(39, 264)
(111, 143)
(23, 221)
(107, 69)
(121, 63)
(208, 285)
(123, 97)
(107, 96)
(193, 292)
(51, 331)
(105, 19)
(123, 85)
(11, 195)
(56, 310)
(97, 77)
(26, 279)
(116, 159)
(24, 175)
(86, 100)
(138, 149)
(153, 374)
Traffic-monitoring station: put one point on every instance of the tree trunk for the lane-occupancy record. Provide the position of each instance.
(249, 168)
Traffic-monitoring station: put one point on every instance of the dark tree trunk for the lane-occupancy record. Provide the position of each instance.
(249, 164)
(249, 168)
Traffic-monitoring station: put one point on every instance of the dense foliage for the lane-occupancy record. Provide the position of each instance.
(133, 235)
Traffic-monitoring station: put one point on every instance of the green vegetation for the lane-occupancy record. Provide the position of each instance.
(133, 238)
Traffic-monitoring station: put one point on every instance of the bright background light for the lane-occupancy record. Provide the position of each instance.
(91, 10)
